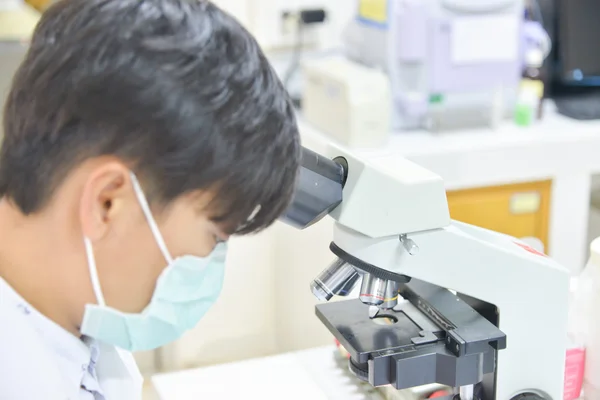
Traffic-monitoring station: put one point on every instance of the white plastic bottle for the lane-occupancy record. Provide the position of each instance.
(584, 321)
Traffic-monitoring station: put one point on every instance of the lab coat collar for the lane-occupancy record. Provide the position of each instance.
(119, 374)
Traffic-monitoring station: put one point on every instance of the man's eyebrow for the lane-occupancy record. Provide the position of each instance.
(224, 224)
(219, 218)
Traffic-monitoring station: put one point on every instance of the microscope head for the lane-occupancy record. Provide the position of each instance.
(385, 198)
(374, 196)
(388, 196)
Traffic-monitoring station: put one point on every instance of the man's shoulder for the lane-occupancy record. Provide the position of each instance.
(14, 326)
(26, 370)
(17, 334)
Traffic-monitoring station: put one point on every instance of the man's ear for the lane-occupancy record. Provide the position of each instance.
(106, 192)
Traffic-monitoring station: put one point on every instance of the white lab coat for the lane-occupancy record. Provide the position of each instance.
(28, 368)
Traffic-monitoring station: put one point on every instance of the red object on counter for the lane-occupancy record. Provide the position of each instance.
(574, 369)
(341, 349)
(440, 393)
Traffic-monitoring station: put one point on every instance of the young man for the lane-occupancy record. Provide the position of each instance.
(138, 136)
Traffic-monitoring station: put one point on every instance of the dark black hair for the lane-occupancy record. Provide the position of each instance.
(178, 89)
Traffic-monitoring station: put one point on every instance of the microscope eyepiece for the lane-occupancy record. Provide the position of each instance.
(337, 280)
(319, 189)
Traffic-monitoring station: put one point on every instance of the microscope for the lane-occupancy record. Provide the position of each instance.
(440, 302)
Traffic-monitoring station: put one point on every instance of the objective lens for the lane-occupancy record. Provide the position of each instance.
(350, 285)
(391, 296)
(337, 280)
(372, 291)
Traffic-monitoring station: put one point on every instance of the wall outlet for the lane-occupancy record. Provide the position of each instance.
(289, 35)
(289, 23)
(275, 23)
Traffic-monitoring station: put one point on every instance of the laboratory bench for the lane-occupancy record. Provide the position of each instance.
(526, 182)
(315, 374)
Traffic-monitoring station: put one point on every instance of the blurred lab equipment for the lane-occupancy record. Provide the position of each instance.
(543, 11)
(17, 22)
(452, 63)
(347, 101)
(303, 20)
(537, 47)
(576, 65)
(393, 227)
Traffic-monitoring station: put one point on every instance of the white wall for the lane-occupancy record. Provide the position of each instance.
(299, 256)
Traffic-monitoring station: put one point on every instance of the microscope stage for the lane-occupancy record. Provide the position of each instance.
(389, 331)
(405, 348)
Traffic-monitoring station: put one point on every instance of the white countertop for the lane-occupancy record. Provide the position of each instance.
(309, 374)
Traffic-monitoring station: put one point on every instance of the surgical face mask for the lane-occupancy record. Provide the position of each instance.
(185, 290)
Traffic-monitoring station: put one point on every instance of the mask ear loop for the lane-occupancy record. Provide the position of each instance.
(151, 222)
(89, 252)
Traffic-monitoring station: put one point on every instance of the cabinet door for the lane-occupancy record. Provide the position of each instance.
(520, 210)
(39, 4)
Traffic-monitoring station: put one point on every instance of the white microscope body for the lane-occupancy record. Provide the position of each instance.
(388, 197)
